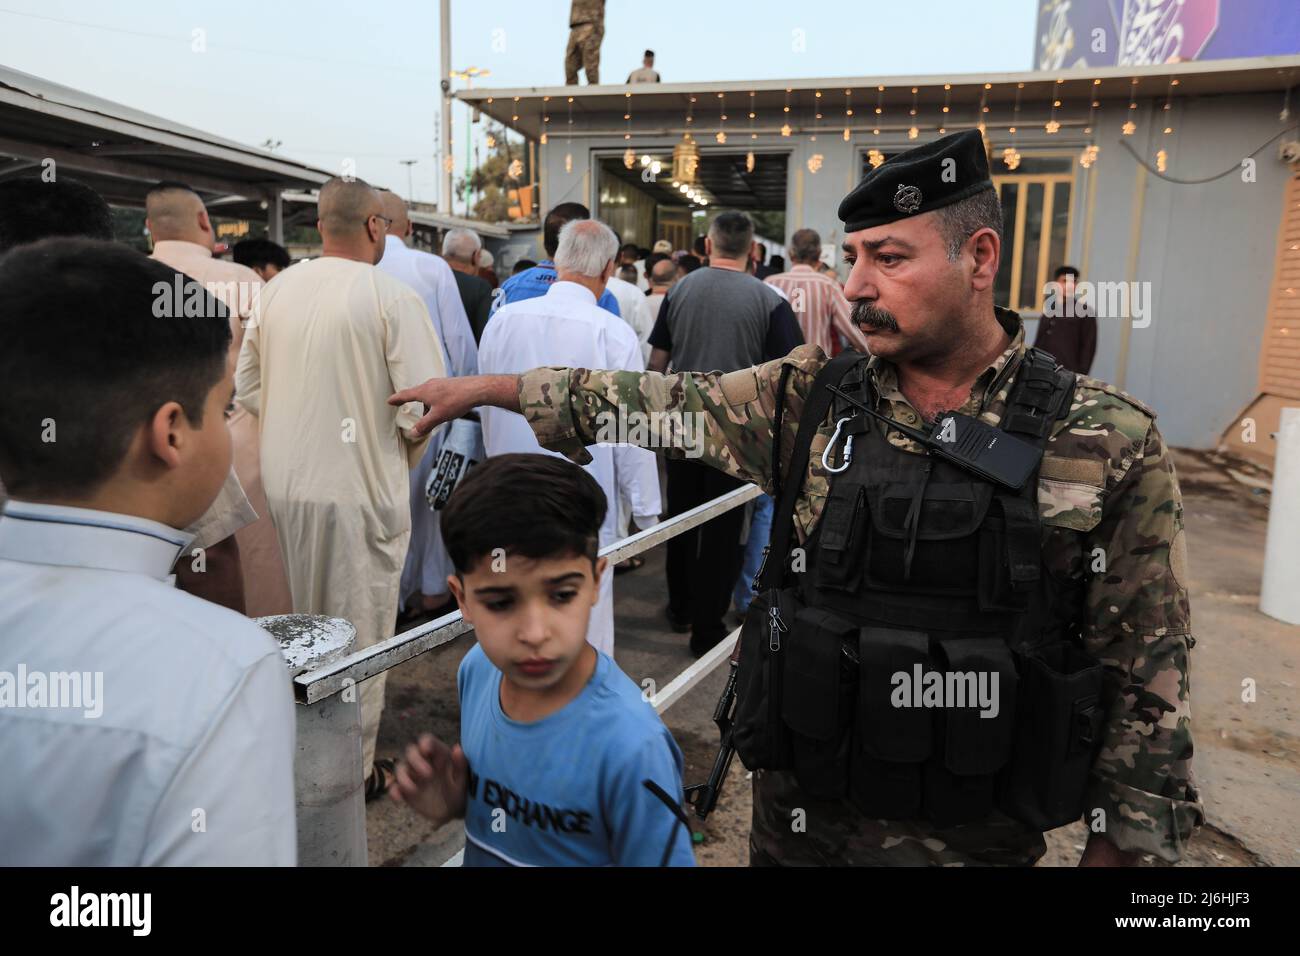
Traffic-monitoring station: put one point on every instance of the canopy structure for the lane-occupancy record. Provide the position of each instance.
(664, 107)
(120, 151)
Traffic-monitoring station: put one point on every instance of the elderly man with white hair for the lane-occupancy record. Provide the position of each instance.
(566, 327)
(463, 249)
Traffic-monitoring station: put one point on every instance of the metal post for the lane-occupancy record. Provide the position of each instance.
(275, 218)
(327, 772)
(444, 85)
(1279, 592)
(410, 188)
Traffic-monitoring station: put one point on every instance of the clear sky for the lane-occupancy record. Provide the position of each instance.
(337, 78)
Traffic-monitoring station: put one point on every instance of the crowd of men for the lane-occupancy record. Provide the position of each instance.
(325, 507)
(326, 497)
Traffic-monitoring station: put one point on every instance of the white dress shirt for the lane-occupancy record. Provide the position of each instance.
(566, 327)
(432, 279)
(186, 755)
(635, 310)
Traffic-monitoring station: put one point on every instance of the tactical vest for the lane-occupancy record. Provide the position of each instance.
(917, 658)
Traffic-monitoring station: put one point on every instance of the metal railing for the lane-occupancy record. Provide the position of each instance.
(316, 685)
(327, 766)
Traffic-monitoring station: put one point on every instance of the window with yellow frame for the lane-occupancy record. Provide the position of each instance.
(1035, 226)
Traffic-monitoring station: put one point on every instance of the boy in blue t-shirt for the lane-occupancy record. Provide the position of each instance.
(557, 744)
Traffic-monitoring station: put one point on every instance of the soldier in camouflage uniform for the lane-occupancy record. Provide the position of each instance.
(586, 30)
(1106, 487)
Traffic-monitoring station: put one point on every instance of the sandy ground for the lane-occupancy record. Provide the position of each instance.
(1247, 760)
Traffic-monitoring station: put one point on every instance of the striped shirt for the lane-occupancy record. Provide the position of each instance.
(819, 305)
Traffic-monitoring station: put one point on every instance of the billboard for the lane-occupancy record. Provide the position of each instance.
(1075, 33)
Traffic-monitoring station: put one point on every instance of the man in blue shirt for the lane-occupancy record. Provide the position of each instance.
(534, 282)
(561, 761)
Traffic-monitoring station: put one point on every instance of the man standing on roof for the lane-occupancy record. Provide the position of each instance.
(586, 30)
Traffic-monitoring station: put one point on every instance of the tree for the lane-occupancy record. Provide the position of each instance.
(492, 179)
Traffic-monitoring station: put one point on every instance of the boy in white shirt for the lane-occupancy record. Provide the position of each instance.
(139, 725)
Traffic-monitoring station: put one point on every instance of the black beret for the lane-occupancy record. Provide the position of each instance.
(929, 177)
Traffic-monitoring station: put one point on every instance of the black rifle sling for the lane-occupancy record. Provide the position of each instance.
(777, 416)
(817, 405)
(1041, 395)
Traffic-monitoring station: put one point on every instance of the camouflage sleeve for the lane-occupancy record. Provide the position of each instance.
(721, 419)
(1138, 623)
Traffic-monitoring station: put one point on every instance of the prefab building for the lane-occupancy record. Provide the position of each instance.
(1175, 189)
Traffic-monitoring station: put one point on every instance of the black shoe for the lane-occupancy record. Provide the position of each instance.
(380, 779)
(680, 625)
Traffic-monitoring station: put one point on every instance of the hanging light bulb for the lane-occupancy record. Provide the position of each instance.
(1053, 126)
(1011, 155)
(875, 157)
(1162, 157)
(815, 163)
(749, 161)
(568, 156)
(1089, 154)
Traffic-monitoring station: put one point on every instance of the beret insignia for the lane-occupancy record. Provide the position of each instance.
(907, 199)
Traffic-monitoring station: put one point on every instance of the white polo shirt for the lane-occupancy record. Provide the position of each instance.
(139, 725)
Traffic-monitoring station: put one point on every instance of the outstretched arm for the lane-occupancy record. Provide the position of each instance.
(720, 419)
(445, 399)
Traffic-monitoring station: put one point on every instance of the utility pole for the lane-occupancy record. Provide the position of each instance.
(444, 84)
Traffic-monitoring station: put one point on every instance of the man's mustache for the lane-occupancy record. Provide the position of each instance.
(868, 315)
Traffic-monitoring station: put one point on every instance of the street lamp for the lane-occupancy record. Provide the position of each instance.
(468, 75)
(410, 190)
